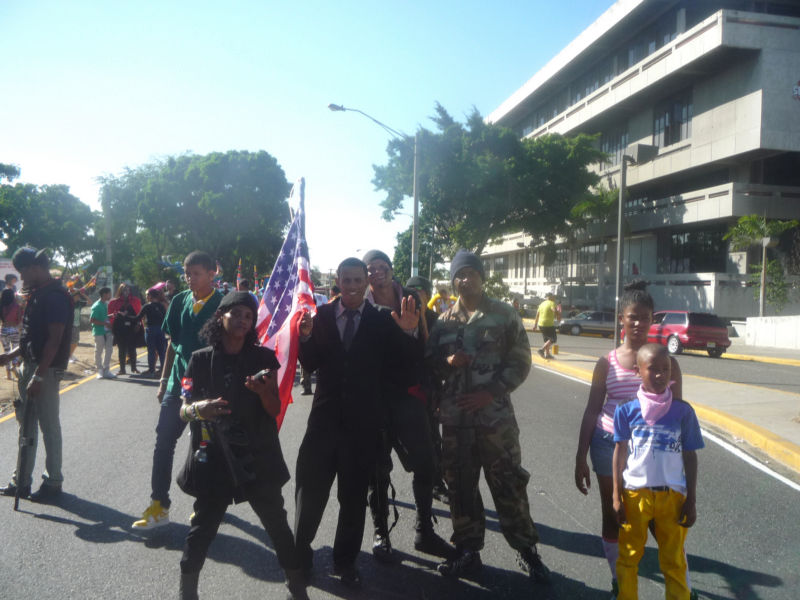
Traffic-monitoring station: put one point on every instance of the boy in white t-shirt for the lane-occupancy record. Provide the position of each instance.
(655, 475)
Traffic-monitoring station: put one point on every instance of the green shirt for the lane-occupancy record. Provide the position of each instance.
(182, 326)
(99, 313)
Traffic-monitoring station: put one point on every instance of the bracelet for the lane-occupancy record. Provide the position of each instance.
(165, 380)
(37, 378)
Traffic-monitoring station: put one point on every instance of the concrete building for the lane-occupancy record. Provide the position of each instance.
(715, 85)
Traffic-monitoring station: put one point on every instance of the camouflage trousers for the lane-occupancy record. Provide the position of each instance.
(467, 450)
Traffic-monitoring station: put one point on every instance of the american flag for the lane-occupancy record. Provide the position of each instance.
(288, 294)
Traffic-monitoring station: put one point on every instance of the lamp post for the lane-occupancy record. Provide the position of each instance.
(636, 154)
(396, 134)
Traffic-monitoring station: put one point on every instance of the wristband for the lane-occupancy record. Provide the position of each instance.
(165, 380)
(37, 378)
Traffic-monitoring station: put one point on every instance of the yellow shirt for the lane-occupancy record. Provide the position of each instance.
(546, 314)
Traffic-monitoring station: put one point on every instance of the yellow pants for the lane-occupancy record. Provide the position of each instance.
(663, 508)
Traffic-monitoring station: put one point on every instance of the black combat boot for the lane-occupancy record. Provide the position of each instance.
(379, 508)
(426, 540)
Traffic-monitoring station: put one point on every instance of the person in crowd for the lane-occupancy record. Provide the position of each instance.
(656, 436)
(406, 428)
(11, 317)
(171, 289)
(545, 320)
(479, 429)
(614, 381)
(442, 300)
(79, 300)
(305, 376)
(243, 285)
(153, 313)
(122, 311)
(10, 282)
(230, 399)
(186, 315)
(44, 347)
(423, 289)
(103, 338)
(355, 350)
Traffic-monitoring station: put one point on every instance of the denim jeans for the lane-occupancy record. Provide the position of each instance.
(169, 429)
(156, 346)
(44, 416)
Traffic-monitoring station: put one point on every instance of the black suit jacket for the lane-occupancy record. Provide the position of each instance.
(351, 384)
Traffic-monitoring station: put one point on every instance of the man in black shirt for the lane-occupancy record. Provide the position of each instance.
(44, 346)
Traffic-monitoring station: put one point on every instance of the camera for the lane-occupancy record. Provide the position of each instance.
(263, 375)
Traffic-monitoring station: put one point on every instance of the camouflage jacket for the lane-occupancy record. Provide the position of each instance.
(501, 360)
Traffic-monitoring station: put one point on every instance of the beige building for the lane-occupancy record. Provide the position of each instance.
(715, 85)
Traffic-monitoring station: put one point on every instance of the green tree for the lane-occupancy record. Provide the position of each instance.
(478, 181)
(749, 231)
(8, 172)
(428, 254)
(231, 204)
(46, 216)
(495, 287)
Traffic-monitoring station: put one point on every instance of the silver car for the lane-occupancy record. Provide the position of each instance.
(589, 322)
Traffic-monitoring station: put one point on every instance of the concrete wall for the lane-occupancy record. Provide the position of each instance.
(776, 332)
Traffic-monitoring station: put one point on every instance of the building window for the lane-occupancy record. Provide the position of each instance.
(560, 267)
(672, 121)
(588, 258)
(500, 265)
(613, 143)
(692, 252)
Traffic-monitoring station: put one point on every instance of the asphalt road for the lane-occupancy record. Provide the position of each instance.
(779, 377)
(744, 546)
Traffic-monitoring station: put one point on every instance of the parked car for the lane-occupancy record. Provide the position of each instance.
(589, 322)
(679, 329)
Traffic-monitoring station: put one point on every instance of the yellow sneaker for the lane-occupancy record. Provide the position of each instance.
(155, 516)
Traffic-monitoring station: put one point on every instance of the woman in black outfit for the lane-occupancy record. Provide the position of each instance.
(229, 408)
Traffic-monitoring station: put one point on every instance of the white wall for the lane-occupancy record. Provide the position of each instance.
(776, 332)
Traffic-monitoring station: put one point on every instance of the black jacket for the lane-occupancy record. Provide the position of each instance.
(253, 433)
(351, 385)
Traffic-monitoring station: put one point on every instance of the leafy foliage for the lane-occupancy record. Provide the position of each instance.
(401, 262)
(46, 216)
(776, 291)
(478, 181)
(750, 229)
(232, 204)
(495, 287)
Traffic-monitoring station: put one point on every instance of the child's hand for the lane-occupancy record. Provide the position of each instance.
(688, 514)
(619, 511)
(582, 476)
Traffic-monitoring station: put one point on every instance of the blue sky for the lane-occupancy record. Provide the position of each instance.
(90, 87)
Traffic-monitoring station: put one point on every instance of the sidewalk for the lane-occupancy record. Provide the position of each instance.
(765, 418)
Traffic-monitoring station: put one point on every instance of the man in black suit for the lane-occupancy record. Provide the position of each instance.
(355, 350)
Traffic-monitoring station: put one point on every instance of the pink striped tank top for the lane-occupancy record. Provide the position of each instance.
(621, 386)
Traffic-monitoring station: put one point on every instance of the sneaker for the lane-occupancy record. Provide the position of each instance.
(11, 490)
(530, 562)
(541, 352)
(155, 516)
(382, 548)
(109, 375)
(466, 563)
(99, 376)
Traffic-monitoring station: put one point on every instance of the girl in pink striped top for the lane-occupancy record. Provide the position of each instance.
(615, 381)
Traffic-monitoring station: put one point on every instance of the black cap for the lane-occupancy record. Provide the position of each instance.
(27, 256)
(420, 283)
(231, 299)
(465, 258)
(373, 254)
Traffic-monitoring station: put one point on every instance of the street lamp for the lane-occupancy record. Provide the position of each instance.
(396, 134)
(636, 154)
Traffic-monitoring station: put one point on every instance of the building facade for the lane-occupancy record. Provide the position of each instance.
(715, 86)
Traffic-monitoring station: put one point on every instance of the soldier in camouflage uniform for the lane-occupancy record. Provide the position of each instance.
(480, 350)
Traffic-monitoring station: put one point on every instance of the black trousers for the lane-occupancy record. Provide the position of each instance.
(327, 453)
(408, 431)
(208, 514)
(126, 345)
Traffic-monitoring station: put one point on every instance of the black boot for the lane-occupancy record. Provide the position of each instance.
(426, 540)
(188, 589)
(378, 500)
(296, 584)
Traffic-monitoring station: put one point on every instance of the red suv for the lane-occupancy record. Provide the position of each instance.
(679, 329)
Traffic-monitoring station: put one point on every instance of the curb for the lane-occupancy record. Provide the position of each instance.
(774, 446)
